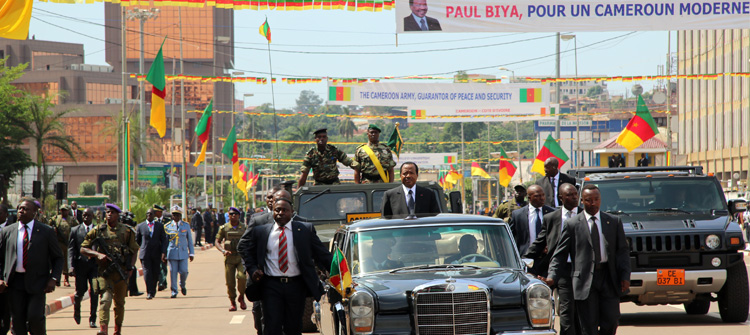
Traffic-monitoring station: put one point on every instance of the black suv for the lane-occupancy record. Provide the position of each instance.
(685, 243)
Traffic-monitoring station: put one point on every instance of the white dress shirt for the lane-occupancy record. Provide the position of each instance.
(567, 214)
(272, 253)
(532, 222)
(19, 245)
(4, 224)
(602, 240)
(413, 190)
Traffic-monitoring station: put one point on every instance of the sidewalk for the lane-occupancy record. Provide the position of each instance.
(62, 297)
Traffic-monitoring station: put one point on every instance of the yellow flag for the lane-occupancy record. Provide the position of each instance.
(14, 18)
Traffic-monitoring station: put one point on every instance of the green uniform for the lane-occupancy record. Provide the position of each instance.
(62, 230)
(368, 172)
(233, 263)
(323, 164)
(120, 239)
(503, 211)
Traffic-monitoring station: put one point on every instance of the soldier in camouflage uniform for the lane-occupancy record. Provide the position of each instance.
(503, 210)
(322, 159)
(368, 172)
(63, 223)
(226, 242)
(119, 239)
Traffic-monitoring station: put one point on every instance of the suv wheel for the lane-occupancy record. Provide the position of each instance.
(697, 307)
(733, 297)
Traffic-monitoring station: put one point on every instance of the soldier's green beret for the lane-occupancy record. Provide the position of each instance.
(158, 208)
(374, 126)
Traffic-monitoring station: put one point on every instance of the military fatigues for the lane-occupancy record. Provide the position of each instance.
(120, 239)
(233, 263)
(503, 211)
(62, 230)
(368, 172)
(324, 166)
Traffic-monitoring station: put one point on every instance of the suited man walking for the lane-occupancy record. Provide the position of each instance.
(526, 222)
(544, 247)
(409, 198)
(4, 304)
(75, 212)
(600, 264)
(282, 259)
(209, 220)
(152, 239)
(31, 263)
(552, 180)
(179, 250)
(196, 223)
(83, 268)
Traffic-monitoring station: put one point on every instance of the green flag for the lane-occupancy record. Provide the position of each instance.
(395, 142)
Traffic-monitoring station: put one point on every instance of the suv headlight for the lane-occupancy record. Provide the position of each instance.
(362, 312)
(539, 305)
(712, 241)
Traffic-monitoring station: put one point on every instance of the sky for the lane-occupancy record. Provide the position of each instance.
(340, 43)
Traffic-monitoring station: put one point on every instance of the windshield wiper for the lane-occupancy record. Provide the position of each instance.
(668, 210)
(317, 195)
(617, 212)
(434, 266)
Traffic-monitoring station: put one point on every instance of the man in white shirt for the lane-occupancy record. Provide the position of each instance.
(526, 222)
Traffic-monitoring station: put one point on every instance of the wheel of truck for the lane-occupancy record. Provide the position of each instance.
(733, 297)
(697, 307)
(307, 325)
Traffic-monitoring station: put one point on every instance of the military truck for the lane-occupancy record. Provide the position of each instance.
(685, 242)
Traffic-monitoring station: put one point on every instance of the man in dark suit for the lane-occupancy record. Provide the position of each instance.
(543, 248)
(209, 220)
(75, 212)
(526, 222)
(418, 21)
(600, 264)
(286, 272)
(196, 223)
(29, 272)
(552, 180)
(409, 198)
(5, 221)
(83, 268)
(152, 238)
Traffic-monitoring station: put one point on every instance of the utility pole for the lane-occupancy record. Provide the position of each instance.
(557, 86)
(184, 123)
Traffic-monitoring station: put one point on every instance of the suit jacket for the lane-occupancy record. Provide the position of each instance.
(410, 24)
(151, 246)
(549, 194)
(197, 221)
(208, 218)
(549, 239)
(394, 202)
(309, 250)
(45, 260)
(576, 242)
(75, 259)
(180, 237)
(243, 246)
(519, 226)
(78, 214)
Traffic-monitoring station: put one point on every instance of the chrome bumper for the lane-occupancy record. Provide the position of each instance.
(531, 332)
(650, 293)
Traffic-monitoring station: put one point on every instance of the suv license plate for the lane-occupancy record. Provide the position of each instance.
(670, 277)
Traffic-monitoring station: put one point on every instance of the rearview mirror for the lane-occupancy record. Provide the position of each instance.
(528, 262)
(737, 206)
(456, 205)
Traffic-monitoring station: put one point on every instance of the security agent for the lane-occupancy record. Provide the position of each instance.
(322, 160)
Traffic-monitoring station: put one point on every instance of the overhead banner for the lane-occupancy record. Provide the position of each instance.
(481, 114)
(568, 15)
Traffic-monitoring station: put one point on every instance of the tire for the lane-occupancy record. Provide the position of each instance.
(733, 297)
(697, 307)
(307, 325)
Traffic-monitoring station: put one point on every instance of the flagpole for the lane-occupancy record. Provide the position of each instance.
(273, 105)
(183, 122)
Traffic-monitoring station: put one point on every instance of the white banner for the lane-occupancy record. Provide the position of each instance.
(569, 15)
(482, 114)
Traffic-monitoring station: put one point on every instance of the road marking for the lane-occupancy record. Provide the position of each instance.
(237, 319)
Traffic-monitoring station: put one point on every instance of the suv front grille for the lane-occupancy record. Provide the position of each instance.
(665, 243)
(452, 313)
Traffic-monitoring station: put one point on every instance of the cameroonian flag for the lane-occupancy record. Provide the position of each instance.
(640, 128)
(242, 183)
(449, 159)
(477, 170)
(418, 113)
(453, 176)
(203, 129)
(15, 16)
(550, 149)
(531, 95)
(395, 142)
(507, 169)
(265, 30)
(339, 93)
(441, 178)
(230, 150)
(341, 278)
(158, 81)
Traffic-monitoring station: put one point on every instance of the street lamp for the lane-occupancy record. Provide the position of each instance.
(565, 37)
(513, 73)
(142, 15)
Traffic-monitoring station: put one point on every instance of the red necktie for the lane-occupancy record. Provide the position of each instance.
(283, 261)
(25, 245)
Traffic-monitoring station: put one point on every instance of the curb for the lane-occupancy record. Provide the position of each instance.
(61, 303)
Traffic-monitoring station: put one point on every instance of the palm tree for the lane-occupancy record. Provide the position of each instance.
(47, 129)
(301, 132)
(137, 147)
(346, 126)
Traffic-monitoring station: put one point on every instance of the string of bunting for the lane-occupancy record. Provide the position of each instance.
(357, 81)
(273, 161)
(257, 140)
(280, 5)
(391, 117)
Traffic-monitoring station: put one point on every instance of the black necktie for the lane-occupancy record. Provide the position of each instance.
(595, 241)
(538, 221)
(410, 202)
(554, 190)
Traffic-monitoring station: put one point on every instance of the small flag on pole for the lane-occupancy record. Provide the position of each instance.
(203, 130)
(396, 142)
(341, 278)
(158, 81)
(507, 169)
(265, 30)
(640, 128)
(550, 149)
(477, 170)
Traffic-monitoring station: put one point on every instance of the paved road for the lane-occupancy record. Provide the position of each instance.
(204, 311)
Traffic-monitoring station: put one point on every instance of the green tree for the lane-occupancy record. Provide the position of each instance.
(299, 132)
(138, 147)
(12, 113)
(109, 188)
(594, 91)
(87, 188)
(346, 125)
(308, 102)
(194, 186)
(142, 200)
